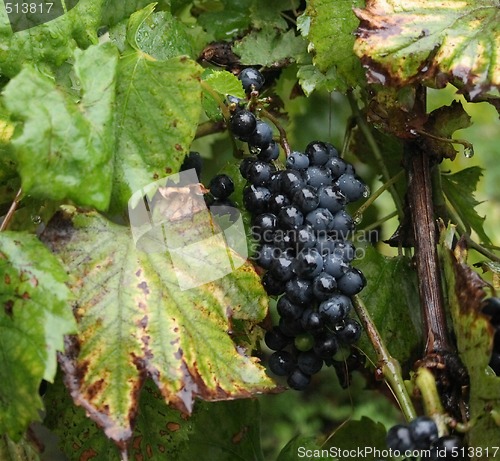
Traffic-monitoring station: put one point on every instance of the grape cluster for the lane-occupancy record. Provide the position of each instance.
(422, 434)
(492, 309)
(301, 228)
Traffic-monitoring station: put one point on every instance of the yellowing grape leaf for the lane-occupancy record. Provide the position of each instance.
(135, 322)
(435, 42)
(35, 314)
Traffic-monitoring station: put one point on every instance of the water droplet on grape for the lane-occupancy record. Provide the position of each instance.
(366, 191)
(36, 219)
(468, 152)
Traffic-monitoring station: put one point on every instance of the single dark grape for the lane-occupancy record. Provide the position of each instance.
(332, 150)
(312, 321)
(259, 172)
(251, 79)
(342, 225)
(245, 166)
(243, 124)
(277, 202)
(335, 265)
(324, 286)
(291, 181)
(304, 237)
(306, 199)
(265, 255)
(309, 263)
(289, 310)
(282, 268)
(255, 198)
(351, 187)
(336, 166)
(350, 331)
(326, 345)
(263, 227)
(491, 307)
(221, 186)
(331, 198)
(261, 136)
(345, 249)
(333, 309)
(317, 152)
(194, 161)
(276, 340)
(309, 363)
(291, 327)
(423, 431)
(299, 290)
(399, 438)
(274, 184)
(290, 217)
(270, 152)
(318, 176)
(297, 161)
(325, 244)
(272, 285)
(352, 282)
(281, 363)
(320, 219)
(298, 380)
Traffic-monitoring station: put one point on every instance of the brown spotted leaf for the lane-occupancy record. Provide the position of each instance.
(403, 42)
(135, 322)
(474, 333)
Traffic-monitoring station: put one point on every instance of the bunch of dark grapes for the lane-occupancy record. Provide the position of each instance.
(301, 228)
(492, 309)
(422, 434)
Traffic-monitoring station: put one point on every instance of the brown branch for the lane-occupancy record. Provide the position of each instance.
(424, 227)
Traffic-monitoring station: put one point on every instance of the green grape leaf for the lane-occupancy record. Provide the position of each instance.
(303, 447)
(474, 336)
(224, 19)
(358, 440)
(269, 47)
(35, 314)
(391, 304)
(324, 24)
(140, 323)
(311, 79)
(433, 43)
(265, 13)
(443, 122)
(64, 148)
(158, 106)
(115, 11)
(161, 432)
(225, 83)
(17, 451)
(158, 34)
(49, 44)
(459, 189)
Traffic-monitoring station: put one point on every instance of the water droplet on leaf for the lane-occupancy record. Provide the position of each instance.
(469, 152)
(36, 219)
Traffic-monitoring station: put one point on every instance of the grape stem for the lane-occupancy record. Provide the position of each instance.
(379, 222)
(10, 214)
(463, 142)
(426, 384)
(378, 193)
(282, 132)
(389, 366)
(208, 128)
